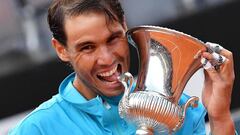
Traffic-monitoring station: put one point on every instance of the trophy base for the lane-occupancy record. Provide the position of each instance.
(144, 131)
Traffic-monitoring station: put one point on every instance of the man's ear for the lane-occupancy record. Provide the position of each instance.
(60, 50)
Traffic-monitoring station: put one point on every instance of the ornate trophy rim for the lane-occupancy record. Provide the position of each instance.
(162, 29)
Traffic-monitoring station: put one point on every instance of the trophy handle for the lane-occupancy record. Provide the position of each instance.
(192, 102)
(127, 80)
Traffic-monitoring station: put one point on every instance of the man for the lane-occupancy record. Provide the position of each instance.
(90, 36)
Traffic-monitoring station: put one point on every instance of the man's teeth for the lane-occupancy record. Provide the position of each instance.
(105, 74)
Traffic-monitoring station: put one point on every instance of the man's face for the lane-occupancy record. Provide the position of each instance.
(98, 52)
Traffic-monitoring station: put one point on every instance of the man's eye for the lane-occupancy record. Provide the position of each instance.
(87, 48)
(114, 39)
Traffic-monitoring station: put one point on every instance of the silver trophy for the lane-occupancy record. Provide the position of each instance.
(167, 60)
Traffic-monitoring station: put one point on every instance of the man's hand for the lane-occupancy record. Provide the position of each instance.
(217, 92)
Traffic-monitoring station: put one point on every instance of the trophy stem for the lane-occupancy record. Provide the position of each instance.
(144, 131)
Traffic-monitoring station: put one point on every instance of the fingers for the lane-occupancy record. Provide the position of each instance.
(213, 47)
(218, 62)
(207, 65)
(229, 59)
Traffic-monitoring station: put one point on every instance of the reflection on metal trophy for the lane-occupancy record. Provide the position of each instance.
(167, 60)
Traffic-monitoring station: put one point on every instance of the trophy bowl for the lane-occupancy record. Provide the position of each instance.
(167, 60)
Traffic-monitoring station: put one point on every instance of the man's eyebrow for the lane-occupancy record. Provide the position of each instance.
(80, 44)
(113, 34)
(116, 33)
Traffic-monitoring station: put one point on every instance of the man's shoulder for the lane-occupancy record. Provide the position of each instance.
(47, 108)
(39, 116)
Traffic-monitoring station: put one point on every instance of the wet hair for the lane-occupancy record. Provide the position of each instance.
(59, 10)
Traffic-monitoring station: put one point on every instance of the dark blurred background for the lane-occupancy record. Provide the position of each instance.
(30, 71)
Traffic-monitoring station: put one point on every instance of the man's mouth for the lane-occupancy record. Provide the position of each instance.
(110, 76)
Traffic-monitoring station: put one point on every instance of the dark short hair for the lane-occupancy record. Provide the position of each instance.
(60, 9)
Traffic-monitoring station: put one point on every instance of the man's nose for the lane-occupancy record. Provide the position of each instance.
(105, 56)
